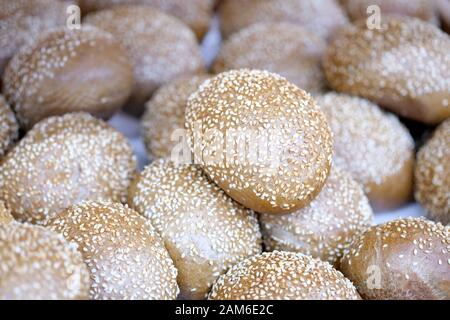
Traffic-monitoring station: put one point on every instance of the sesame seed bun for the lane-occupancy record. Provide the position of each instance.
(422, 9)
(197, 14)
(161, 47)
(279, 118)
(432, 175)
(284, 48)
(165, 114)
(38, 264)
(9, 129)
(62, 161)
(327, 226)
(5, 215)
(403, 67)
(402, 259)
(124, 254)
(373, 146)
(282, 275)
(21, 21)
(322, 17)
(205, 231)
(67, 71)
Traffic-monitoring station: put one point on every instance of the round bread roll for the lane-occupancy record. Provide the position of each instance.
(204, 230)
(38, 264)
(161, 47)
(125, 255)
(9, 129)
(283, 48)
(276, 150)
(327, 226)
(164, 115)
(402, 259)
(63, 161)
(197, 14)
(66, 71)
(282, 275)
(5, 215)
(404, 67)
(432, 175)
(373, 146)
(21, 21)
(422, 9)
(321, 17)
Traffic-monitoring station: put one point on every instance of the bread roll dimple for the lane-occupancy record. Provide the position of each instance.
(404, 67)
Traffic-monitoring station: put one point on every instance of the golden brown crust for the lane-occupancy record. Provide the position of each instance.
(401, 259)
(422, 9)
(373, 146)
(197, 14)
(62, 161)
(5, 214)
(38, 264)
(205, 231)
(68, 71)
(280, 120)
(327, 226)
(9, 129)
(284, 48)
(165, 114)
(282, 275)
(161, 47)
(314, 15)
(403, 67)
(21, 21)
(432, 173)
(125, 255)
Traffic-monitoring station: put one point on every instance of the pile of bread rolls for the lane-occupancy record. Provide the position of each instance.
(358, 116)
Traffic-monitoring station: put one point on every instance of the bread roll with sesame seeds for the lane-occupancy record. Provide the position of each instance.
(38, 264)
(401, 259)
(373, 146)
(197, 14)
(280, 275)
(322, 17)
(404, 67)
(161, 47)
(62, 161)
(125, 256)
(284, 48)
(9, 129)
(204, 230)
(327, 226)
(21, 21)
(422, 9)
(67, 71)
(164, 115)
(5, 215)
(263, 140)
(432, 175)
